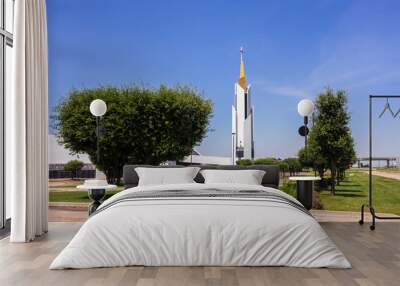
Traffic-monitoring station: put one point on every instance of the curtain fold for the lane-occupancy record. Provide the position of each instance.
(28, 123)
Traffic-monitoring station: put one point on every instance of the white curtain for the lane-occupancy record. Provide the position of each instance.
(27, 123)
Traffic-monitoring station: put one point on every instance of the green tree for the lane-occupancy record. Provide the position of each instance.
(73, 166)
(347, 158)
(293, 165)
(283, 167)
(305, 158)
(244, 162)
(330, 141)
(141, 126)
(312, 158)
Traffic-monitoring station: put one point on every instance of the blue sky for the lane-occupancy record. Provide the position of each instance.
(293, 49)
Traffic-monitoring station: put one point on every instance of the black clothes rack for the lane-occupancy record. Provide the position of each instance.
(369, 205)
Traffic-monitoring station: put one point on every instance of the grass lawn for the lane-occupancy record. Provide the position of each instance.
(349, 195)
(64, 187)
(354, 191)
(77, 196)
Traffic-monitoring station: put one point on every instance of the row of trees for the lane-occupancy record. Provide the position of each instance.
(330, 142)
(141, 126)
(288, 165)
(150, 126)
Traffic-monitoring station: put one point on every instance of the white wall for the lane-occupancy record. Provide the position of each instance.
(240, 108)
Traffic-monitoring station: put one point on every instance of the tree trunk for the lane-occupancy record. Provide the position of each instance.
(119, 175)
(114, 175)
(321, 173)
(109, 176)
(333, 179)
(341, 175)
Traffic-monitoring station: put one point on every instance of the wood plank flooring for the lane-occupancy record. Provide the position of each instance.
(375, 257)
(62, 212)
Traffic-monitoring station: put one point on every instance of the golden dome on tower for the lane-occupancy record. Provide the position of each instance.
(242, 77)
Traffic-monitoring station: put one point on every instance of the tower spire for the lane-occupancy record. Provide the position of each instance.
(242, 77)
(242, 118)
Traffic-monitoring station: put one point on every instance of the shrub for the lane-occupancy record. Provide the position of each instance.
(266, 161)
(244, 162)
(73, 166)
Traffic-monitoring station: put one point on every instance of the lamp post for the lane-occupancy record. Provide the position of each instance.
(305, 108)
(98, 108)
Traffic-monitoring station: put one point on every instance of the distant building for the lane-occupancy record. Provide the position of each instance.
(242, 119)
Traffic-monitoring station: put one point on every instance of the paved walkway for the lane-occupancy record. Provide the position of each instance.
(68, 212)
(391, 175)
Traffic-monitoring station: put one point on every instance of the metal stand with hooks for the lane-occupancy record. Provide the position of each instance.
(369, 205)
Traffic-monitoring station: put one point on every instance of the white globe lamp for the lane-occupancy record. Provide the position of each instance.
(305, 107)
(98, 107)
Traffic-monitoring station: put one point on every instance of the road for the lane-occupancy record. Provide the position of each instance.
(391, 175)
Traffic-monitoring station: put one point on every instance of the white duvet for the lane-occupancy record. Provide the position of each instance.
(200, 231)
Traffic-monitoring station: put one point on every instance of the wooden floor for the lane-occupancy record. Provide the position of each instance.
(375, 257)
(74, 212)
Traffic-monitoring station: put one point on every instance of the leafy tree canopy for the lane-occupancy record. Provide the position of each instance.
(331, 144)
(292, 165)
(141, 126)
(73, 165)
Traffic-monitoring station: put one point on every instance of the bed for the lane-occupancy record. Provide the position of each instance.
(201, 224)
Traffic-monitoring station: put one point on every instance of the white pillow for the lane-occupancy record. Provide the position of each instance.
(248, 177)
(166, 176)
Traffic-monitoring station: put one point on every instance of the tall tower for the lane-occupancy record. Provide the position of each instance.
(242, 119)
